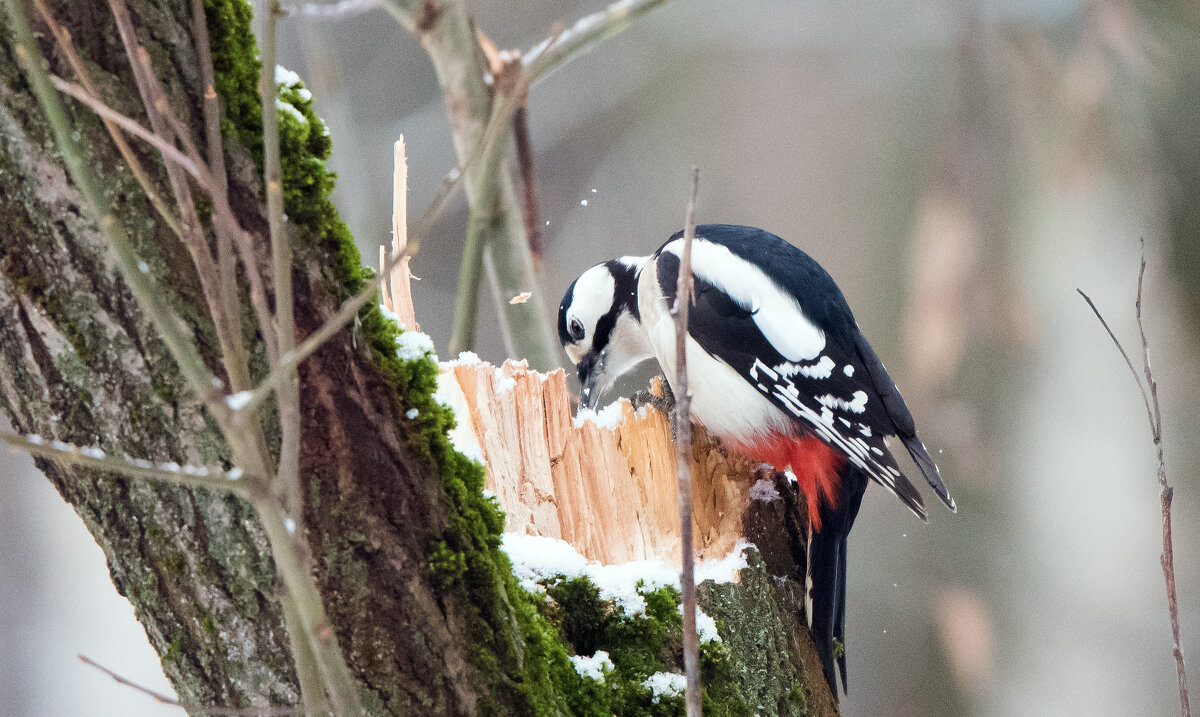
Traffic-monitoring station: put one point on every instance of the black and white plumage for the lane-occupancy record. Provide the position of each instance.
(778, 369)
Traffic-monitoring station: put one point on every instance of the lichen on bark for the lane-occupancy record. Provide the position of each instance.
(407, 548)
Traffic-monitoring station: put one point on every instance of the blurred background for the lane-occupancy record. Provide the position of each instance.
(960, 168)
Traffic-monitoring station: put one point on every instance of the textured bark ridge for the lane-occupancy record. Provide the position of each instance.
(80, 363)
(423, 603)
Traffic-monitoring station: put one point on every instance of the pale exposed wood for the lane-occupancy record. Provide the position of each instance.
(610, 492)
(396, 290)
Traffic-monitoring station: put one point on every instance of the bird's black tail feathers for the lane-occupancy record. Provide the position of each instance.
(929, 469)
(827, 575)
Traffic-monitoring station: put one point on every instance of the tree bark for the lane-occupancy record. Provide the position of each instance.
(79, 362)
(423, 603)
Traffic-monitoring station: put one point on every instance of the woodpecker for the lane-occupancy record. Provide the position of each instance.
(778, 370)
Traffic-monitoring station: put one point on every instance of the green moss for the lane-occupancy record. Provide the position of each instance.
(839, 650)
(522, 663)
(174, 651)
(638, 645)
(449, 565)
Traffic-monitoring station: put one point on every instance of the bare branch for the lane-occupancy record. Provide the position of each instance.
(165, 124)
(95, 458)
(63, 38)
(169, 327)
(223, 216)
(197, 709)
(683, 439)
(587, 32)
(169, 151)
(334, 10)
(226, 259)
(529, 205)
(289, 361)
(1149, 392)
(1128, 362)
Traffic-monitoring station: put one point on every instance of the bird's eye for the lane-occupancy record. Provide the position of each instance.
(576, 330)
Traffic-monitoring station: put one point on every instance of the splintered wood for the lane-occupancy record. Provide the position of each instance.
(604, 483)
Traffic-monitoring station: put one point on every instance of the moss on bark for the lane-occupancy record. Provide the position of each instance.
(408, 554)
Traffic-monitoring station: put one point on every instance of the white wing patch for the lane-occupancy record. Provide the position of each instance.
(856, 404)
(823, 368)
(856, 450)
(776, 314)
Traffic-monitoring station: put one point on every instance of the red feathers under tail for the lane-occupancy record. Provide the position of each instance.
(815, 465)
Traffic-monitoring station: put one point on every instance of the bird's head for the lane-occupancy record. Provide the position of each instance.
(599, 327)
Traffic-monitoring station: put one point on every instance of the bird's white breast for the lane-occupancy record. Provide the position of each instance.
(724, 401)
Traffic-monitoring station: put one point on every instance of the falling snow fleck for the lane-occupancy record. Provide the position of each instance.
(583, 202)
(143, 267)
(593, 191)
(290, 525)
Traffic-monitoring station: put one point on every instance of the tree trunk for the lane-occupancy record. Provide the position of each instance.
(423, 603)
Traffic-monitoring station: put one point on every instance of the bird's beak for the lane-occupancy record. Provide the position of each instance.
(591, 379)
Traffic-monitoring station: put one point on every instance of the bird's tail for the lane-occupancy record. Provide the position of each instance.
(826, 604)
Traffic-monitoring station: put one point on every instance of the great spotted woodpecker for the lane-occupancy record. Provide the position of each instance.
(778, 370)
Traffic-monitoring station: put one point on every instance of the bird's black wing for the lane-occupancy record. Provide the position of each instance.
(900, 416)
(831, 396)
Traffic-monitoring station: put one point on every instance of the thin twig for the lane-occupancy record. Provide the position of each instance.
(165, 124)
(226, 259)
(287, 540)
(170, 328)
(289, 361)
(288, 477)
(587, 32)
(94, 458)
(529, 206)
(197, 709)
(63, 38)
(223, 213)
(683, 445)
(335, 10)
(133, 127)
(1166, 492)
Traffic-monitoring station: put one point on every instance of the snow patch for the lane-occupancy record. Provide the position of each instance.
(465, 358)
(414, 345)
(289, 109)
(592, 667)
(504, 382)
(608, 417)
(706, 627)
(389, 314)
(238, 400)
(665, 684)
(284, 76)
(539, 558)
